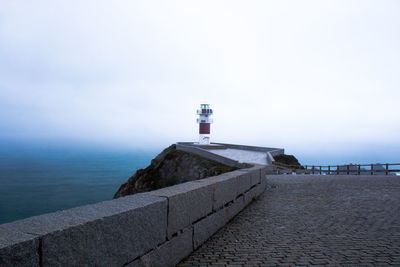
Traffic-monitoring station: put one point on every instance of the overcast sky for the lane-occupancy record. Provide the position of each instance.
(305, 75)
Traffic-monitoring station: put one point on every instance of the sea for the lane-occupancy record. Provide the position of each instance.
(36, 179)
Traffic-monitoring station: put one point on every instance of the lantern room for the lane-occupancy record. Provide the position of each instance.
(204, 122)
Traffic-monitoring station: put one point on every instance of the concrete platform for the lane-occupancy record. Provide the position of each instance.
(312, 220)
(243, 156)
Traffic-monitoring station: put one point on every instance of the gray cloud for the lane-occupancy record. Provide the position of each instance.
(287, 73)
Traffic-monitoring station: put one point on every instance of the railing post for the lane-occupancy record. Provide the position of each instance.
(343, 169)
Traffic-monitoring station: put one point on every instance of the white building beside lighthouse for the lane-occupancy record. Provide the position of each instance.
(204, 122)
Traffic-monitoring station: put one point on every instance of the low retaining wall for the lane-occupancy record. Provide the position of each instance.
(273, 151)
(158, 228)
(198, 150)
(209, 155)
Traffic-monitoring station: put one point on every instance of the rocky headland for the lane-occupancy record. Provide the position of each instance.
(171, 167)
(287, 160)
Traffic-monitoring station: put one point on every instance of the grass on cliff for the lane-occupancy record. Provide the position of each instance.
(171, 167)
(287, 160)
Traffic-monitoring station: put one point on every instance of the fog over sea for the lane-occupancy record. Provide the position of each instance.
(317, 78)
(37, 179)
(42, 177)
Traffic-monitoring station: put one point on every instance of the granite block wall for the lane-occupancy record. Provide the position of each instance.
(157, 228)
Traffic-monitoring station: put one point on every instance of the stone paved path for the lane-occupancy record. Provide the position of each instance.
(312, 220)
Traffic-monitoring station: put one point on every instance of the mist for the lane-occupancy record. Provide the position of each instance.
(314, 77)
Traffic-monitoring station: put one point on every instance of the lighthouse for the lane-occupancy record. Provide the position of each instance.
(204, 122)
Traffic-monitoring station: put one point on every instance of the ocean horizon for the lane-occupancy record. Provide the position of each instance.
(37, 179)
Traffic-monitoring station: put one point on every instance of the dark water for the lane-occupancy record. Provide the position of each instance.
(38, 180)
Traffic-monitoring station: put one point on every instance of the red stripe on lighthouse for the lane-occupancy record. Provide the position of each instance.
(204, 128)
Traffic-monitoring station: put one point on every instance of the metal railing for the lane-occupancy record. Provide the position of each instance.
(349, 169)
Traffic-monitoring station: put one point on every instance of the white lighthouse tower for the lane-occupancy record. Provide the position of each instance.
(204, 122)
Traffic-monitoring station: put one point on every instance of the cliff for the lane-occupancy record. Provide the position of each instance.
(287, 160)
(171, 167)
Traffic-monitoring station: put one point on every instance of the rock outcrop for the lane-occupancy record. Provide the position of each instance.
(287, 160)
(171, 167)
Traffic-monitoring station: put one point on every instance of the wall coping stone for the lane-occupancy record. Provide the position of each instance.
(109, 232)
(187, 203)
(60, 220)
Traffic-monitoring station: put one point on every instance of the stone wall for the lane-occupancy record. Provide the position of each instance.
(157, 228)
(198, 150)
(273, 151)
(209, 155)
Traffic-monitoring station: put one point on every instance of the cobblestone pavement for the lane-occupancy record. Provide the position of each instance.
(312, 220)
